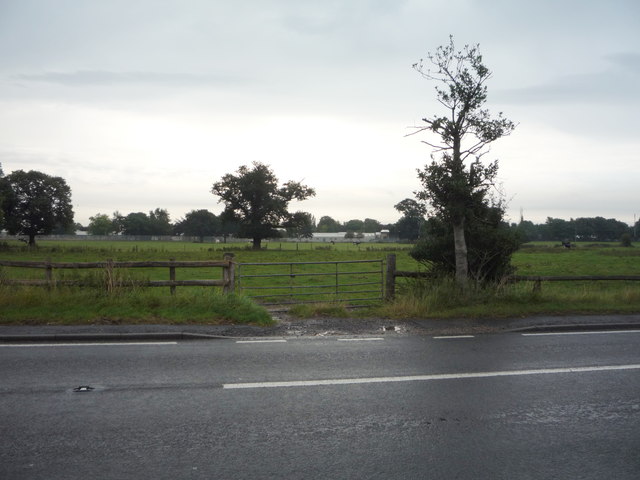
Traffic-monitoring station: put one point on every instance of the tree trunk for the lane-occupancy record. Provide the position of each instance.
(32, 240)
(460, 243)
(257, 243)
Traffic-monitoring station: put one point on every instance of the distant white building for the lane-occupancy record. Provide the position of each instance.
(340, 237)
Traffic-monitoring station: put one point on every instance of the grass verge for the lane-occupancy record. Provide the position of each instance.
(441, 299)
(196, 305)
(67, 306)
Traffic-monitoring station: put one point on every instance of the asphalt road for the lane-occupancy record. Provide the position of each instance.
(499, 406)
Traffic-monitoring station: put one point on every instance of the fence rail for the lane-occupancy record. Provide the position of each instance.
(537, 280)
(226, 282)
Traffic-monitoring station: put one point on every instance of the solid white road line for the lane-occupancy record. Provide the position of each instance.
(444, 337)
(98, 344)
(599, 332)
(262, 341)
(418, 378)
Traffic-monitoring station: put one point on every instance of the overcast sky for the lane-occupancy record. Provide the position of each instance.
(144, 104)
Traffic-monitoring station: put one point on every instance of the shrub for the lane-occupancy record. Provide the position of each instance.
(490, 245)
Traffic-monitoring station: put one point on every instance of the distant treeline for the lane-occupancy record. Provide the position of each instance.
(201, 223)
(595, 229)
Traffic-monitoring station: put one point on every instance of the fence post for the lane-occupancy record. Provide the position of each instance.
(390, 290)
(48, 273)
(537, 285)
(172, 277)
(109, 275)
(229, 274)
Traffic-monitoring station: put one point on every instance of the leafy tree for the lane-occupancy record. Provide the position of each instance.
(528, 231)
(198, 223)
(559, 229)
(412, 220)
(354, 226)
(253, 198)
(160, 222)
(458, 180)
(157, 222)
(100, 224)
(371, 225)
(36, 204)
(328, 225)
(136, 223)
(117, 220)
(301, 225)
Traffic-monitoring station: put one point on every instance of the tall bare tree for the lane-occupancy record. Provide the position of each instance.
(456, 176)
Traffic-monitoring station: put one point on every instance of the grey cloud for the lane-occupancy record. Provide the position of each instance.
(616, 84)
(626, 61)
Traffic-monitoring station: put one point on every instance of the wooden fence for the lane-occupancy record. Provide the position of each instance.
(111, 281)
(392, 274)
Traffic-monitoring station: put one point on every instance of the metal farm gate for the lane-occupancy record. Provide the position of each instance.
(285, 283)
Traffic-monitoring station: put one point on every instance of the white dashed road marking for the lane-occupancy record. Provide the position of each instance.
(372, 339)
(262, 341)
(603, 332)
(445, 337)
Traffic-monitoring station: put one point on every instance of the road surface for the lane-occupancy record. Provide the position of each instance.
(500, 406)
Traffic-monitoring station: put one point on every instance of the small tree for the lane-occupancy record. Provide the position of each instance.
(36, 204)
(412, 220)
(327, 224)
(560, 229)
(198, 223)
(100, 224)
(354, 226)
(137, 223)
(253, 198)
(455, 182)
(371, 225)
(301, 225)
(160, 222)
(117, 220)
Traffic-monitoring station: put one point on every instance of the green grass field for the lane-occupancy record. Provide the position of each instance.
(208, 305)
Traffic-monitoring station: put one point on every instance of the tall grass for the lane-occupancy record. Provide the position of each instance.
(63, 305)
(443, 299)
